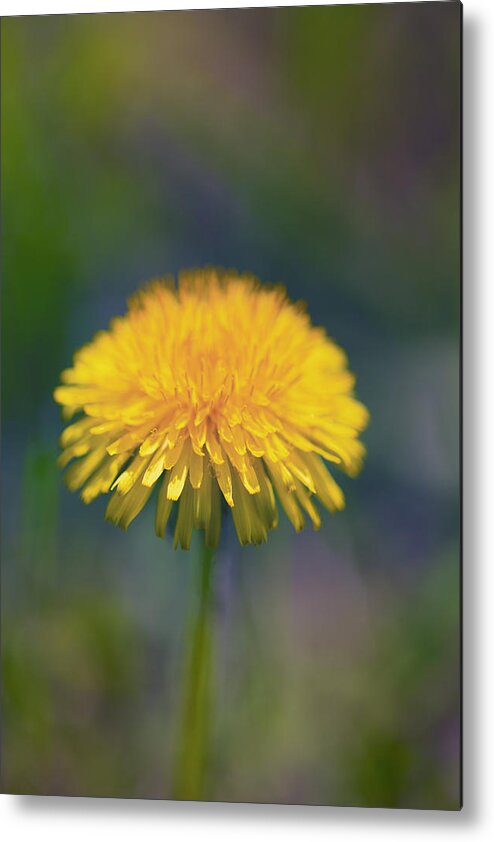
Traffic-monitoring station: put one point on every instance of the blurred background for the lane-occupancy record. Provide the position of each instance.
(319, 148)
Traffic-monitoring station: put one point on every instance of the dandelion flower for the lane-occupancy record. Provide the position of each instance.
(219, 388)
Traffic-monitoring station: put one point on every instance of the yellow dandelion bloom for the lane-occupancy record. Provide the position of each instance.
(219, 388)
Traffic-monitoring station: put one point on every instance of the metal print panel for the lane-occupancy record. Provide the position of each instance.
(231, 345)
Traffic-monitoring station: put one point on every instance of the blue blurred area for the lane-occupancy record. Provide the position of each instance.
(319, 148)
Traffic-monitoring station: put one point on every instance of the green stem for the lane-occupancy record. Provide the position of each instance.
(194, 727)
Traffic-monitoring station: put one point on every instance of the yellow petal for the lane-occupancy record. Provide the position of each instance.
(123, 508)
(163, 508)
(81, 470)
(178, 475)
(224, 477)
(202, 500)
(155, 468)
(185, 519)
(129, 477)
(196, 468)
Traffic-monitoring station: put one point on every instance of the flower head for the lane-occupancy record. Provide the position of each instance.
(219, 388)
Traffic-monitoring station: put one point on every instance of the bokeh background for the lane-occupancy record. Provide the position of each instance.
(317, 147)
